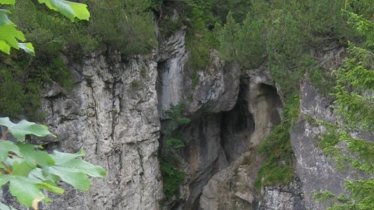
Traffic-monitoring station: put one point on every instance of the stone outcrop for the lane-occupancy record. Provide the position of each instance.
(233, 187)
(117, 106)
(283, 197)
(111, 113)
(171, 70)
(316, 170)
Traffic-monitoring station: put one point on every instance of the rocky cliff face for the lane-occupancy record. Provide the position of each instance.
(111, 113)
(115, 111)
(231, 111)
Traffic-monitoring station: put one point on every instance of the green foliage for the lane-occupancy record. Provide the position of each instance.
(26, 75)
(174, 143)
(10, 99)
(23, 128)
(362, 193)
(329, 140)
(200, 40)
(359, 155)
(354, 103)
(50, 33)
(323, 196)
(10, 35)
(277, 166)
(71, 10)
(175, 119)
(285, 49)
(30, 172)
(172, 175)
(124, 25)
(360, 196)
(24, 168)
(221, 8)
(283, 33)
(355, 83)
(242, 42)
(322, 79)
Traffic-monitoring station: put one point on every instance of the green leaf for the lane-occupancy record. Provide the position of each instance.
(22, 168)
(45, 181)
(4, 20)
(9, 2)
(51, 187)
(8, 31)
(73, 177)
(73, 170)
(35, 156)
(61, 157)
(6, 147)
(10, 34)
(3, 179)
(25, 190)
(85, 167)
(4, 47)
(73, 161)
(23, 128)
(27, 47)
(69, 9)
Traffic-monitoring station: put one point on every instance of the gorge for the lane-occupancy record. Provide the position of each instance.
(216, 105)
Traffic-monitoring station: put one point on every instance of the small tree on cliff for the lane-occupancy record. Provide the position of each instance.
(25, 169)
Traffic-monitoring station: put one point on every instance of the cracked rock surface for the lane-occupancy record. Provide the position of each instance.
(111, 113)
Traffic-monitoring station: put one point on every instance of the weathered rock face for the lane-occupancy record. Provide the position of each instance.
(112, 114)
(315, 170)
(215, 92)
(231, 112)
(172, 58)
(283, 197)
(233, 187)
(217, 88)
(115, 110)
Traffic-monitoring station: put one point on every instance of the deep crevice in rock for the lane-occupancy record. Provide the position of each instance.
(237, 125)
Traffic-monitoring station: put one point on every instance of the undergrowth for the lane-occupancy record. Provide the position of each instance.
(276, 150)
(172, 142)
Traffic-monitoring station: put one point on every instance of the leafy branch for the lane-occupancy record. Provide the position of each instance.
(30, 172)
(26, 169)
(11, 37)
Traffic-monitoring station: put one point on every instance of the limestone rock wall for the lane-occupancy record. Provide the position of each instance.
(115, 111)
(112, 114)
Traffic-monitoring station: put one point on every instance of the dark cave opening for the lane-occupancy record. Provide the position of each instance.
(213, 141)
(237, 125)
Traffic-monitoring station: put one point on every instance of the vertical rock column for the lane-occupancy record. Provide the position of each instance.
(112, 114)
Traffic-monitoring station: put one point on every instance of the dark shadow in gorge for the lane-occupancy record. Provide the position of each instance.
(212, 141)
